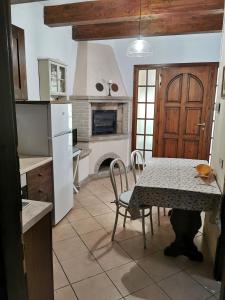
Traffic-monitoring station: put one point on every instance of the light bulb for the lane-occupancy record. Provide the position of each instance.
(139, 48)
(139, 45)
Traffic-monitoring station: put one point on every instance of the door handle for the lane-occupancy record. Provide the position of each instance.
(160, 79)
(202, 125)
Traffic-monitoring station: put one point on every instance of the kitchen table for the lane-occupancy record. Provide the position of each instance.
(172, 183)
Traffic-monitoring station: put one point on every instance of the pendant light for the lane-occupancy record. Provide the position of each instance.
(139, 47)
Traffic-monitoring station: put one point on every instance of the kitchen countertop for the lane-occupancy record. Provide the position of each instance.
(34, 212)
(41, 102)
(28, 163)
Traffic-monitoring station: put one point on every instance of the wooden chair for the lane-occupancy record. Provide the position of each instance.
(138, 164)
(123, 196)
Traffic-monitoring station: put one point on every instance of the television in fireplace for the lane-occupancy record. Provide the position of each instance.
(104, 122)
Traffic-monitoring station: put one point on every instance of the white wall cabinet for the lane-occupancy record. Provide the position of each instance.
(52, 78)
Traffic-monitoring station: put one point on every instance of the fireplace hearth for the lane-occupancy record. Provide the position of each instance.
(104, 122)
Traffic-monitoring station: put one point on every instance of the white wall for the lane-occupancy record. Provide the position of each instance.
(218, 151)
(43, 41)
(212, 231)
(167, 49)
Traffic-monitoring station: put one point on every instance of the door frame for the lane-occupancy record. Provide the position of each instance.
(12, 279)
(157, 103)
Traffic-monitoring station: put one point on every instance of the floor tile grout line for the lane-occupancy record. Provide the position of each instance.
(89, 252)
(161, 288)
(79, 235)
(66, 275)
(107, 231)
(62, 287)
(118, 243)
(74, 292)
(153, 280)
(160, 279)
(89, 277)
(183, 271)
(199, 283)
(114, 284)
(132, 260)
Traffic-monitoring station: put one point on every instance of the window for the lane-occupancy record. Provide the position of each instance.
(146, 92)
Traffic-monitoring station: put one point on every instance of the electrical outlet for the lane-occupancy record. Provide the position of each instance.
(221, 162)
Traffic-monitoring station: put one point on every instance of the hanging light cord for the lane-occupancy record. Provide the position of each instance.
(140, 20)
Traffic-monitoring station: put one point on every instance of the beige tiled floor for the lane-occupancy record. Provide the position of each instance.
(87, 265)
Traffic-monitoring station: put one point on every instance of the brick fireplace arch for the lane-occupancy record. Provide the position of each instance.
(109, 155)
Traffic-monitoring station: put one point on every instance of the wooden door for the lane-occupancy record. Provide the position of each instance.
(173, 109)
(19, 63)
(186, 101)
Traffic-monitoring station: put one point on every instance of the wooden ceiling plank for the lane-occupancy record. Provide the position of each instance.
(182, 24)
(108, 11)
(94, 12)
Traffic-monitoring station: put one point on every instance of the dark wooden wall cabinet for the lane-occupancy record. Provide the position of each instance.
(40, 183)
(19, 63)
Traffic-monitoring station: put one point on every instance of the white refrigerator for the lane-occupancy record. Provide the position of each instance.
(45, 129)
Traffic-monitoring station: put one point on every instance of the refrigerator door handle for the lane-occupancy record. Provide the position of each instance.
(61, 133)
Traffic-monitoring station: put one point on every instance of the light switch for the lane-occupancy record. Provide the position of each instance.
(217, 107)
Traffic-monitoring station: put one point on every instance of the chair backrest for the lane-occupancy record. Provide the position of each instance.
(118, 177)
(137, 163)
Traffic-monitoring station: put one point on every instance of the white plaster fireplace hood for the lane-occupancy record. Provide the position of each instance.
(96, 63)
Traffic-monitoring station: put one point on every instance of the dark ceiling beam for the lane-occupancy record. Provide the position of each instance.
(108, 11)
(167, 25)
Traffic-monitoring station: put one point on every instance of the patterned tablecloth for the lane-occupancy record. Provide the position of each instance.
(172, 183)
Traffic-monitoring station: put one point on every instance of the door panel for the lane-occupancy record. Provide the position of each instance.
(195, 90)
(170, 149)
(172, 120)
(190, 149)
(19, 63)
(193, 117)
(174, 89)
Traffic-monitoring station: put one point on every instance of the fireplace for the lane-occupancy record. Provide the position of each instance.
(104, 122)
